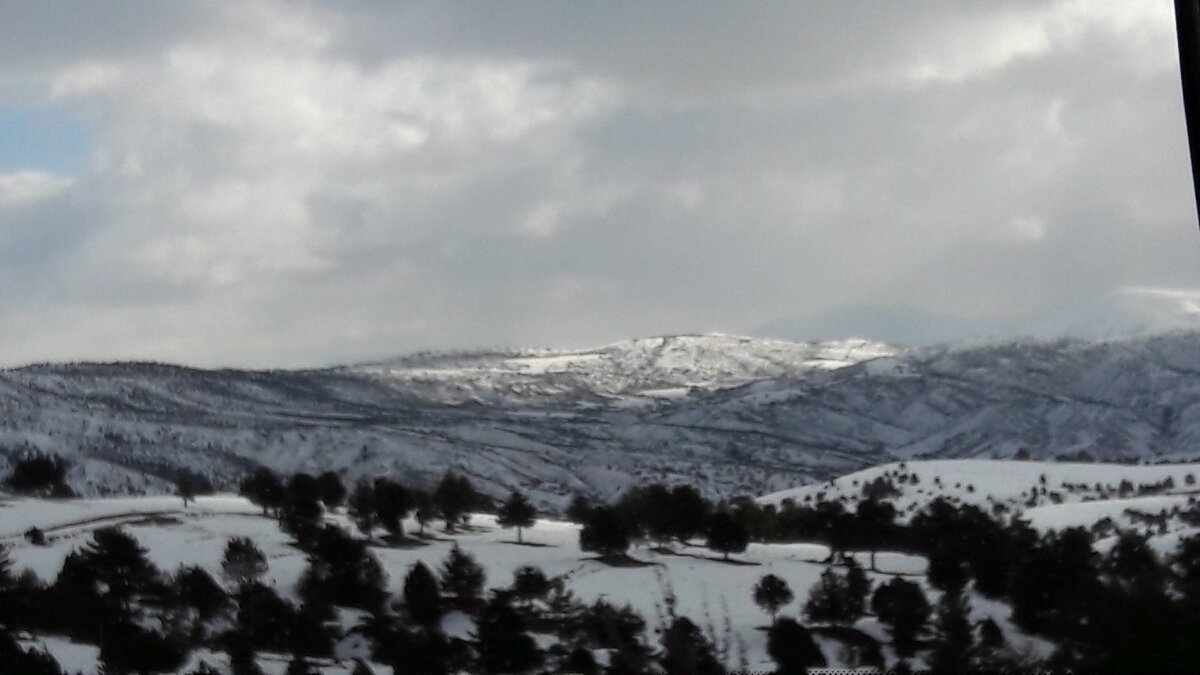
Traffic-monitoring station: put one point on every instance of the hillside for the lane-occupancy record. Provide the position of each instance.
(733, 415)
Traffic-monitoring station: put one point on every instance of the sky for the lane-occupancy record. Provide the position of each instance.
(282, 184)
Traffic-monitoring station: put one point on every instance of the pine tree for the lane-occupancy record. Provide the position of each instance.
(530, 583)
(392, 504)
(726, 535)
(579, 509)
(197, 589)
(902, 605)
(792, 648)
(772, 593)
(244, 562)
(831, 600)
(462, 578)
(517, 512)
(952, 649)
(858, 587)
(331, 490)
(605, 532)
(453, 497)
(361, 508)
(504, 644)
(263, 489)
(422, 600)
(687, 652)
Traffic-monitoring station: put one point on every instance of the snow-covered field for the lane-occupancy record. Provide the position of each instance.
(714, 593)
(709, 591)
(1050, 494)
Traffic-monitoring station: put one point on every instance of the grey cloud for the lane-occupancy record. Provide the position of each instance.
(379, 177)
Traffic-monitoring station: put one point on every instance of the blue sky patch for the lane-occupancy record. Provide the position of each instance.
(41, 138)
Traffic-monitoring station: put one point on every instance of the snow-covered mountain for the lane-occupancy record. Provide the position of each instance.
(732, 415)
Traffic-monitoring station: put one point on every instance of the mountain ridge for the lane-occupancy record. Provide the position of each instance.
(731, 414)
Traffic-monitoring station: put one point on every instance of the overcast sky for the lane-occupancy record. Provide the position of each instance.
(282, 184)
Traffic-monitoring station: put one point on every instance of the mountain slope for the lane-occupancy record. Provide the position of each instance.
(732, 415)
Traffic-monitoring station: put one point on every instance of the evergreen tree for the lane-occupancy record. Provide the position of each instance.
(605, 532)
(342, 571)
(126, 647)
(772, 593)
(726, 535)
(186, 486)
(954, 644)
(361, 507)
(244, 562)
(687, 652)
(858, 587)
(264, 489)
(792, 648)
(579, 509)
(14, 659)
(462, 578)
(830, 600)
(40, 474)
(422, 600)
(198, 590)
(504, 644)
(331, 490)
(873, 520)
(1132, 562)
(580, 661)
(423, 509)
(453, 497)
(689, 513)
(902, 605)
(300, 515)
(392, 505)
(517, 512)
(264, 620)
(530, 583)
(112, 569)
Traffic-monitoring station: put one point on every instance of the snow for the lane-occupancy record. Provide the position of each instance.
(709, 590)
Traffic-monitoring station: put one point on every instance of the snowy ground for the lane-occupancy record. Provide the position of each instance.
(1014, 485)
(710, 591)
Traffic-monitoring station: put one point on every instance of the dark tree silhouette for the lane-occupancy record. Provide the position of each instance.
(504, 645)
(453, 497)
(687, 652)
(902, 605)
(40, 474)
(462, 578)
(264, 489)
(331, 490)
(831, 600)
(792, 648)
(689, 512)
(726, 534)
(198, 590)
(362, 507)
(392, 505)
(579, 509)
(771, 594)
(244, 562)
(955, 640)
(605, 532)
(517, 512)
(873, 520)
(422, 599)
(530, 583)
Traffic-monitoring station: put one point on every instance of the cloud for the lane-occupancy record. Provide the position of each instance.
(276, 183)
